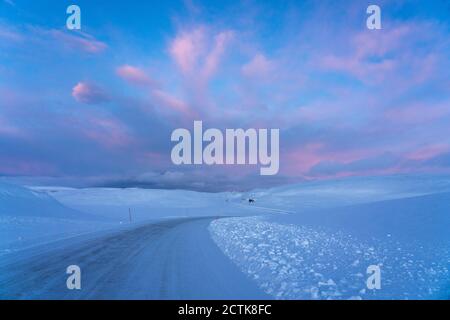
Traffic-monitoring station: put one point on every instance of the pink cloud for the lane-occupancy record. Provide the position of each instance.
(367, 43)
(195, 52)
(428, 152)
(359, 68)
(39, 36)
(107, 132)
(198, 54)
(300, 160)
(417, 113)
(368, 59)
(135, 76)
(212, 60)
(89, 93)
(186, 48)
(81, 41)
(69, 40)
(170, 101)
(259, 66)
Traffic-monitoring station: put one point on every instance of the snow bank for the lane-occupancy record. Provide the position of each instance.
(298, 262)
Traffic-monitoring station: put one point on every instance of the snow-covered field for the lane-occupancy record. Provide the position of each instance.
(312, 240)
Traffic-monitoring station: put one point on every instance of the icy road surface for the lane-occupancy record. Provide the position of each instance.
(169, 259)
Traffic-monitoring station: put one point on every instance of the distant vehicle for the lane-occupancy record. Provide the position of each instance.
(251, 201)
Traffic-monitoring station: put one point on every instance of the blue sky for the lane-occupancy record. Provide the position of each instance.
(97, 106)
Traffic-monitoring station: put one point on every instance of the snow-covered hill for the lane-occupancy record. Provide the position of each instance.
(147, 204)
(19, 201)
(29, 217)
(421, 218)
(349, 191)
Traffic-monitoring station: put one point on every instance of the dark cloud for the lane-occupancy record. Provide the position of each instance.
(198, 181)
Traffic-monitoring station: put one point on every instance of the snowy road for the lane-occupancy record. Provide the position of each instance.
(169, 259)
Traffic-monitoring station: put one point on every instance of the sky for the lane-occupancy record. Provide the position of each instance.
(97, 106)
